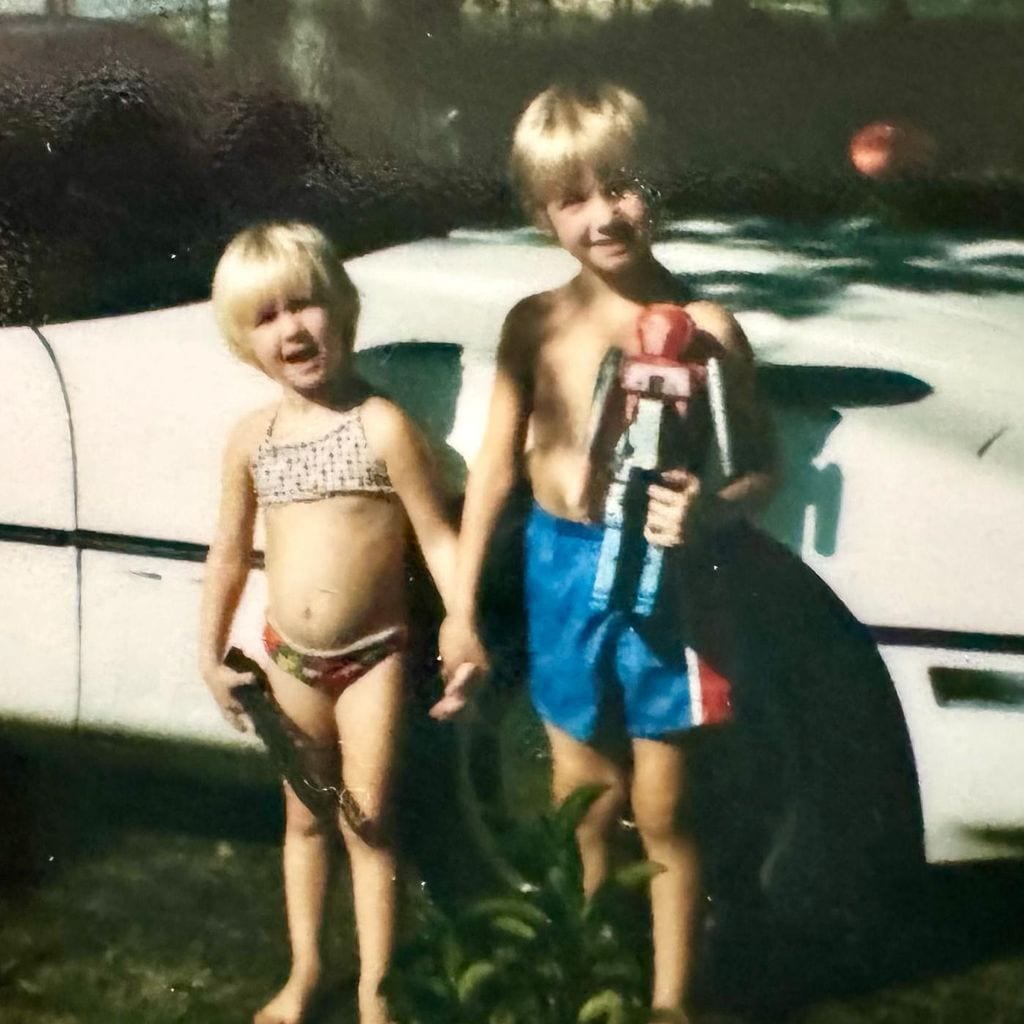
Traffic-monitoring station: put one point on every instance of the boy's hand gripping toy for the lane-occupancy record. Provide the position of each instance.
(632, 398)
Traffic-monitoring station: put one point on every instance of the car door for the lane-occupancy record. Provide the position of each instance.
(152, 398)
(38, 561)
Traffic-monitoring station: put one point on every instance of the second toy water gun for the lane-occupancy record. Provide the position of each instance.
(633, 398)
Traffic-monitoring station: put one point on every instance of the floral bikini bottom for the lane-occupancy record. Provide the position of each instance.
(333, 671)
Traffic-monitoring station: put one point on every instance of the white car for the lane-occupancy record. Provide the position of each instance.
(901, 413)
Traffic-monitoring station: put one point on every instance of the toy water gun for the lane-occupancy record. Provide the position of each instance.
(280, 738)
(633, 397)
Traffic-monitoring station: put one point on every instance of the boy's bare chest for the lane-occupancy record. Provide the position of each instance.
(567, 367)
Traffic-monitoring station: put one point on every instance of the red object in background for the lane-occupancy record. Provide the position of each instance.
(892, 149)
(665, 331)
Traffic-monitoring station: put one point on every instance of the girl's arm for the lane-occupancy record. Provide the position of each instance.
(227, 568)
(413, 471)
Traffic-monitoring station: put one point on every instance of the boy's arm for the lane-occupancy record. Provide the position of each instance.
(750, 426)
(227, 568)
(679, 505)
(491, 479)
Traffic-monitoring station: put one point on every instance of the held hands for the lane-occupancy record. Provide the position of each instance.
(221, 681)
(677, 510)
(464, 664)
(458, 692)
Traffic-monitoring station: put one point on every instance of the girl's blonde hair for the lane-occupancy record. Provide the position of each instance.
(265, 262)
(565, 131)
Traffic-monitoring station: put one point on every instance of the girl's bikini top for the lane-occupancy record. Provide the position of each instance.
(339, 462)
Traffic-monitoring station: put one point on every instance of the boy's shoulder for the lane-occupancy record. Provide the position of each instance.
(529, 311)
(714, 319)
(536, 316)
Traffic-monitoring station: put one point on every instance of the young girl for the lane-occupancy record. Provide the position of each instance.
(340, 475)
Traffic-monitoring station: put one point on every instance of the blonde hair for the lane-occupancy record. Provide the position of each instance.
(270, 260)
(566, 130)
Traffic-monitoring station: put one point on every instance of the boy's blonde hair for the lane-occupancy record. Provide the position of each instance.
(566, 131)
(265, 262)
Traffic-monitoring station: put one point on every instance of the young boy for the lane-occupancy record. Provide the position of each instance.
(575, 157)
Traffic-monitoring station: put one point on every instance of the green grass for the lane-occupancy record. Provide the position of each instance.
(139, 885)
(133, 889)
(157, 929)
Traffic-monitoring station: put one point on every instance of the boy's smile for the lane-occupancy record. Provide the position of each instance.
(605, 225)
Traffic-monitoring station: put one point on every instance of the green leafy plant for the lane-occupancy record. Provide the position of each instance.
(537, 951)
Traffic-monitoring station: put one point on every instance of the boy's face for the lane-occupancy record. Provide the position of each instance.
(297, 342)
(605, 224)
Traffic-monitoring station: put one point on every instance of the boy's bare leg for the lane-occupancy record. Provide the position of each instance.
(576, 764)
(368, 715)
(659, 787)
(306, 859)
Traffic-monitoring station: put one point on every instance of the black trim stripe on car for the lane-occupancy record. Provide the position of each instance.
(948, 640)
(188, 551)
(115, 543)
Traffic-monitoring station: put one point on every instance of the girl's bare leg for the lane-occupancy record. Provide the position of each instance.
(306, 860)
(368, 716)
(659, 786)
(576, 764)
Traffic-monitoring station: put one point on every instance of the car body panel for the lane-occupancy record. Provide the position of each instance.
(905, 495)
(39, 595)
(36, 462)
(152, 396)
(968, 759)
(39, 632)
(151, 685)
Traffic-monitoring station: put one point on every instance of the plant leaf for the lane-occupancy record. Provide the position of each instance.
(515, 927)
(509, 907)
(633, 876)
(574, 807)
(473, 978)
(607, 1005)
(452, 956)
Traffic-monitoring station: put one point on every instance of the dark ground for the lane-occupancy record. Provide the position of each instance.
(141, 887)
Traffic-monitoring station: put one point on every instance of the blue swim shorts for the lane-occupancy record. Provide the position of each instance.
(587, 666)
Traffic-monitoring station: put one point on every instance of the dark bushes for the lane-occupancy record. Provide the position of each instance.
(125, 165)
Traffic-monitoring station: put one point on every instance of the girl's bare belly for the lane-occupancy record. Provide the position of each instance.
(336, 569)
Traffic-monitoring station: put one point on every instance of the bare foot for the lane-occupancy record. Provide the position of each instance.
(289, 1006)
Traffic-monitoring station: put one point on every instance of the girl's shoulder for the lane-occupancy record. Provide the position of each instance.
(250, 430)
(379, 411)
(392, 435)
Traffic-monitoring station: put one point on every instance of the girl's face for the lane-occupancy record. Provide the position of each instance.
(606, 225)
(296, 342)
